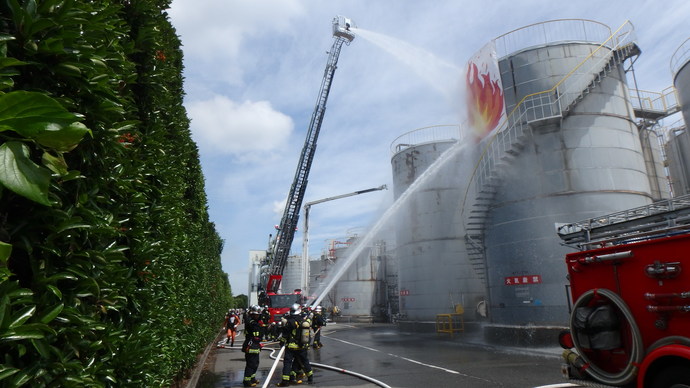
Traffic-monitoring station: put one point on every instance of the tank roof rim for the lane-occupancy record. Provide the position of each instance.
(553, 21)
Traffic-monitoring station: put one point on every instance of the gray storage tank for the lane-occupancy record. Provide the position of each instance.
(574, 152)
(681, 77)
(362, 293)
(678, 154)
(678, 144)
(434, 273)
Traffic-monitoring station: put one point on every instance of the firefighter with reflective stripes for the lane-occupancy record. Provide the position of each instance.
(318, 322)
(296, 333)
(253, 332)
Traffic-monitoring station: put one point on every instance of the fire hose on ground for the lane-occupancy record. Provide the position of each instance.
(277, 358)
(322, 366)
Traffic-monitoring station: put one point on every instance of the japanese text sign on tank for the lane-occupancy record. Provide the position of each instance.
(520, 280)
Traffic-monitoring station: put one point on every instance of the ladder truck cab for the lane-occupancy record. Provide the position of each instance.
(630, 294)
(279, 304)
(279, 248)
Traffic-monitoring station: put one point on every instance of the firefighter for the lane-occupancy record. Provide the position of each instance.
(265, 314)
(253, 332)
(318, 322)
(295, 338)
(232, 320)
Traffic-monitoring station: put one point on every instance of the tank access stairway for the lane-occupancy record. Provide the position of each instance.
(662, 218)
(546, 106)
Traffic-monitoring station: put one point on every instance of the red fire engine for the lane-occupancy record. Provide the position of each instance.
(630, 289)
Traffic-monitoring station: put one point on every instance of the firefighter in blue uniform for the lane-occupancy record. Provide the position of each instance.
(295, 328)
(253, 332)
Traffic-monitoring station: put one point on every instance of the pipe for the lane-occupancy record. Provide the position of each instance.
(607, 257)
(666, 309)
(681, 295)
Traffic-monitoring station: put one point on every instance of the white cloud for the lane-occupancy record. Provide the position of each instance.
(222, 125)
(214, 32)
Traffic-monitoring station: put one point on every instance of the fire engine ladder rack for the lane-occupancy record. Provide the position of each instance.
(538, 108)
(662, 218)
(288, 223)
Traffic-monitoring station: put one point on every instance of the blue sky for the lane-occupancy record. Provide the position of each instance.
(253, 69)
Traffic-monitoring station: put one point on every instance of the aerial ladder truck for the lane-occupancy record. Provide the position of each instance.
(279, 248)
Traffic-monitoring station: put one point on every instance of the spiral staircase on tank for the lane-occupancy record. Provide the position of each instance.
(552, 105)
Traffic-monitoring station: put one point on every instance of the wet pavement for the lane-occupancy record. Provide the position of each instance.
(398, 359)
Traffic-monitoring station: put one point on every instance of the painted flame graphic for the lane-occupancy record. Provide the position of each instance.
(484, 101)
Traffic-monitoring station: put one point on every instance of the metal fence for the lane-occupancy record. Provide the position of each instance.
(431, 134)
(680, 57)
(549, 32)
(664, 101)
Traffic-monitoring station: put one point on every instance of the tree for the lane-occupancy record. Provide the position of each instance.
(241, 301)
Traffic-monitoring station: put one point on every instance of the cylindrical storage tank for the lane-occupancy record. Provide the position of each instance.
(678, 144)
(680, 70)
(360, 292)
(434, 274)
(584, 160)
(678, 156)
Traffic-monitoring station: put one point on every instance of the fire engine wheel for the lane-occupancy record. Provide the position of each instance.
(675, 376)
(636, 352)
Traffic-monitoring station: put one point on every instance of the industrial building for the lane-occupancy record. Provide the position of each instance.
(576, 142)
(569, 139)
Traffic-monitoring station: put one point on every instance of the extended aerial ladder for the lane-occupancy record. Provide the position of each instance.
(279, 248)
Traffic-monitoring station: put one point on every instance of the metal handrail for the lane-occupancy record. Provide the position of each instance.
(664, 101)
(680, 57)
(542, 33)
(424, 135)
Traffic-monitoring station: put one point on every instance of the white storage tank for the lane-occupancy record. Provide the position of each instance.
(434, 273)
(678, 144)
(577, 154)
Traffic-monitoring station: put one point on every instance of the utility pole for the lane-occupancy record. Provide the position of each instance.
(305, 233)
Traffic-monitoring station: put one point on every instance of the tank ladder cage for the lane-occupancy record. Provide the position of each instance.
(662, 218)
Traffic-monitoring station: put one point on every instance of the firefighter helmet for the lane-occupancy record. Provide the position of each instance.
(296, 309)
(255, 310)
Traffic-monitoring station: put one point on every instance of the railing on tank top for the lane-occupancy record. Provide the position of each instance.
(545, 104)
(680, 57)
(426, 135)
(550, 32)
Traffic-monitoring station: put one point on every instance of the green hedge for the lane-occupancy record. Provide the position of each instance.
(110, 269)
